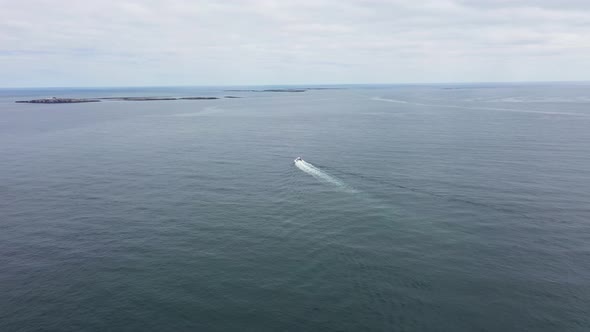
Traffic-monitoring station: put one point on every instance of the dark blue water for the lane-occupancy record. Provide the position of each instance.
(419, 208)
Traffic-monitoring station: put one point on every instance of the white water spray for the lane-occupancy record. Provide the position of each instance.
(321, 175)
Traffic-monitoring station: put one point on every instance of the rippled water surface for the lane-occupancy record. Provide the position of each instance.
(416, 208)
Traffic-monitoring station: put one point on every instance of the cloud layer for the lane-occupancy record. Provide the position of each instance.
(207, 42)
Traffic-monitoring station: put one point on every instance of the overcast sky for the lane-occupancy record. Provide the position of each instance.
(233, 42)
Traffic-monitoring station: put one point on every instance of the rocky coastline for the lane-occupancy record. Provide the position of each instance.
(268, 90)
(55, 100)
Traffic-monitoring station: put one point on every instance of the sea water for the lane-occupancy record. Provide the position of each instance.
(458, 207)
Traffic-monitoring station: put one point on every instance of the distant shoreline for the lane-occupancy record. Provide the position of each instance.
(58, 101)
(55, 100)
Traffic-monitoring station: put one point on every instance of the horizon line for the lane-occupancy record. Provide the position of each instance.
(302, 85)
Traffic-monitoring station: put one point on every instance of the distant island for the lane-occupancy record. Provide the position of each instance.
(55, 100)
(269, 90)
(286, 90)
(158, 98)
(199, 98)
(138, 98)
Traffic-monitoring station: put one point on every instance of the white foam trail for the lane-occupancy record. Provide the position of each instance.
(321, 175)
(480, 108)
(390, 100)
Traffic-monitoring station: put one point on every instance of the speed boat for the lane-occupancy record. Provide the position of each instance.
(298, 159)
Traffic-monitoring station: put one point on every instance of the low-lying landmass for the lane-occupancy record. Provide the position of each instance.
(198, 98)
(269, 90)
(139, 98)
(157, 98)
(55, 100)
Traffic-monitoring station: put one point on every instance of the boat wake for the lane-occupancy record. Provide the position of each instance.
(478, 108)
(321, 175)
(390, 100)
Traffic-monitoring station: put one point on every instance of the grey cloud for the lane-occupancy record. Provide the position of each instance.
(548, 4)
(308, 41)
